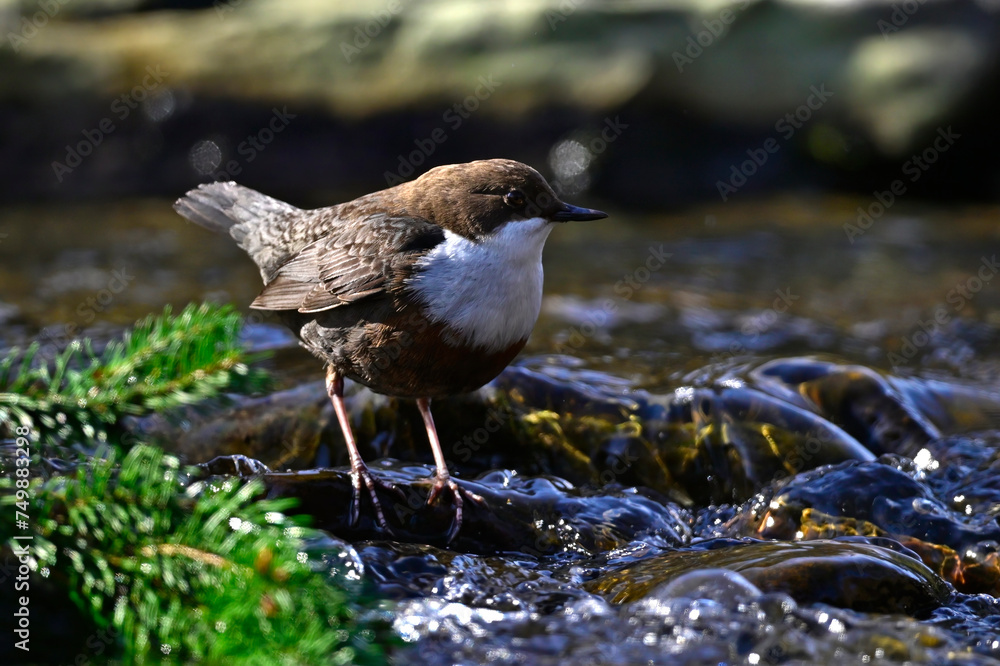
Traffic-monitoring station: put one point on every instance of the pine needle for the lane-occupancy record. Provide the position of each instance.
(217, 578)
(163, 362)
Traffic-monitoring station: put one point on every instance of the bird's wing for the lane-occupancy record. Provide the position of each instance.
(352, 262)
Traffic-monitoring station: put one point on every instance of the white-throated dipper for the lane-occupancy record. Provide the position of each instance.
(425, 289)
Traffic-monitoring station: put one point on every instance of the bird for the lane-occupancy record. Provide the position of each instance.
(426, 289)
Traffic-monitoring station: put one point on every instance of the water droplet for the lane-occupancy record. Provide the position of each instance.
(205, 156)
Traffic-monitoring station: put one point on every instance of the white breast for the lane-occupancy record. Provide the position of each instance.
(488, 291)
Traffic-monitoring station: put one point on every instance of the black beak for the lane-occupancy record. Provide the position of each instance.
(570, 213)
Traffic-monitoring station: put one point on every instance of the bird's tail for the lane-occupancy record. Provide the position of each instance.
(252, 219)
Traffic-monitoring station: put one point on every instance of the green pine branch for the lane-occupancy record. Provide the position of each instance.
(163, 362)
(193, 572)
(182, 571)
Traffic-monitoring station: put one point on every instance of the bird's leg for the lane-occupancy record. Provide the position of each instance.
(442, 478)
(359, 470)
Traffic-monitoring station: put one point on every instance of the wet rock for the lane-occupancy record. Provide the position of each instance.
(856, 574)
(718, 617)
(499, 583)
(857, 399)
(879, 500)
(719, 439)
(713, 442)
(235, 465)
(724, 442)
(520, 608)
(535, 516)
(282, 429)
(886, 414)
(877, 493)
(976, 616)
(760, 438)
(973, 569)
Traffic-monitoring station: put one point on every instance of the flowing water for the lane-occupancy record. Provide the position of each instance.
(888, 560)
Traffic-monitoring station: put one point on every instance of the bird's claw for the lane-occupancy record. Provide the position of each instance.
(358, 474)
(457, 492)
(246, 466)
(235, 465)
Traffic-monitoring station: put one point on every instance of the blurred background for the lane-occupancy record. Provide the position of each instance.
(784, 178)
(836, 155)
(153, 96)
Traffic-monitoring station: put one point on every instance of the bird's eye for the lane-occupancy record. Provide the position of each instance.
(514, 198)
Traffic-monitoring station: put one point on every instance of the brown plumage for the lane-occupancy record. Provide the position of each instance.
(362, 283)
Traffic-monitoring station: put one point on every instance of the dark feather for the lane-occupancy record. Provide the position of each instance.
(353, 262)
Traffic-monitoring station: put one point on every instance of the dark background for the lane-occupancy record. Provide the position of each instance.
(695, 84)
